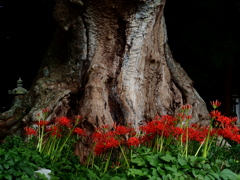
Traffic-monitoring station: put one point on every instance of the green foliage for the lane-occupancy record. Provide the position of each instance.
(19, 160)
(12, 142)
(226, 157)
(152, 165)
(14, 166)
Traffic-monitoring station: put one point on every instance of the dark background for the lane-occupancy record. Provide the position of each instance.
(26, 30)
(203, 36)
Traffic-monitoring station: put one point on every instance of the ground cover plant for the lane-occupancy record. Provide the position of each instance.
(166, 147)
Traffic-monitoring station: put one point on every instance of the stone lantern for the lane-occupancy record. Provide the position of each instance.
(19, 90)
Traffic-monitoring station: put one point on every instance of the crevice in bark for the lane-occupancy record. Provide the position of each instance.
(121, 36)
(73, 102)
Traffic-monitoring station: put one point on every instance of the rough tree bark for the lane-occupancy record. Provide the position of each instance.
(109, 61)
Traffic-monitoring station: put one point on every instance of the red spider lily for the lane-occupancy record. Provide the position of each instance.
(152, 127)
(121, 130)
(133, 141)
(170, 120)
(30, 131)
(42, 123)
(198, 134)
(102, 136)
(46, 110)
(105, 127)
(215, 104)
(195, 126)
(186, 107)
(162, 126)
(231, 132)
(177, 131)
(225, 121)
(64, 121)
(180, 116)
(188, 117)
(111, 142)
(237, 138)
(104, 140)
(234, 119)
(215, 114)
(102, 146)
(77, 119)
(79, 131)
(56, 131)
(131, 130)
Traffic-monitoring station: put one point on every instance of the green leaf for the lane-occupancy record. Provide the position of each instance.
(171, 169)
(202, 172)
(1, 168)
(116, 178)
(6, 156)
(206, 178)
(169, 176)
(154, 172)
(41, 176)
(211, 177)
(139, 161)
(8, 176)
(195, 172)
(27, 170)
(182, 162)
(192, 159)
(135, 172)
(11, 171)
(153, 160)
(167, 158)
(228, 173)
(224, 177)
(6, 166)
(91, 175)
(145, 171)
(200, 159)
(185, 168)
(10, 162)
(161, 171)
(215, 175)
(181, 178)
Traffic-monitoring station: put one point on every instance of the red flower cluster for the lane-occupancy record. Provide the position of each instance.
(133, 141)
(215, 114)
(46, 110)
(42, 123)
(161, 126)
(186, 107)
(56, 131)
(164, 125)
(30, 131)
(79, 131)
(64, 121)
(105, 139)
(197, 134)
(121, 130)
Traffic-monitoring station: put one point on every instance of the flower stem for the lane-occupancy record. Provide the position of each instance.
(125, 158)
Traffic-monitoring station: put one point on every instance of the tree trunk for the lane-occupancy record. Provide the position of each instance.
(109, 61)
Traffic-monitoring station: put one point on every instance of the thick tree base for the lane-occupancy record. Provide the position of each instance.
(109, 61)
